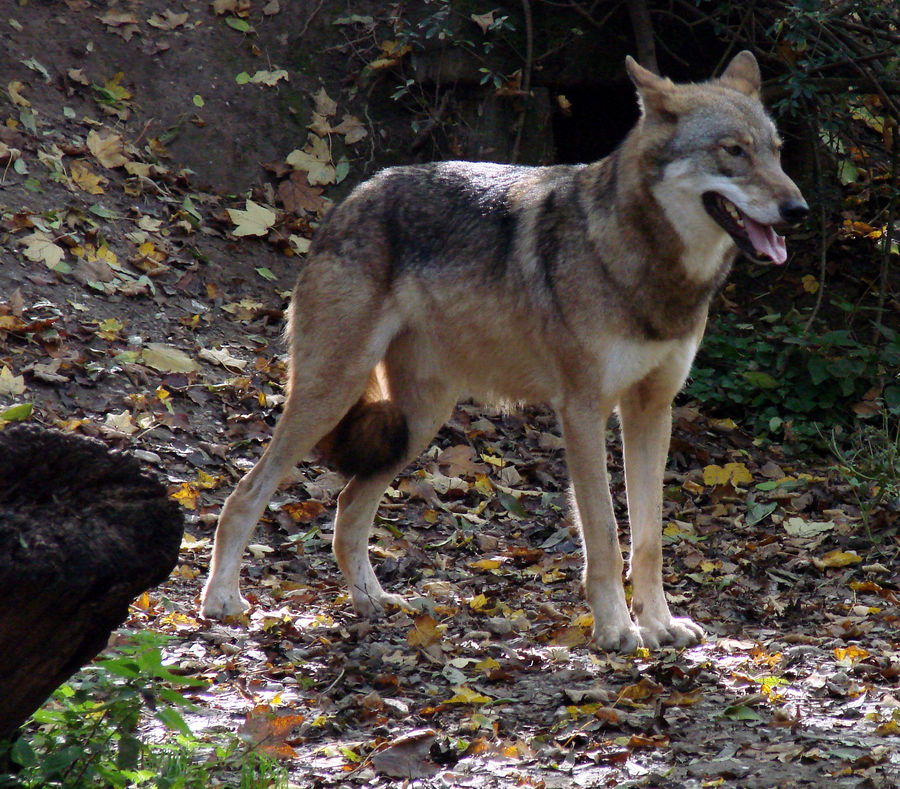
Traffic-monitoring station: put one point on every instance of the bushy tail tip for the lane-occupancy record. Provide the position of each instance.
(373, 436)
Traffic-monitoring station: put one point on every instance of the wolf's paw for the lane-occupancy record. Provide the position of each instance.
(678, 631)
(617, 638)
(373, 607)
(216, 603)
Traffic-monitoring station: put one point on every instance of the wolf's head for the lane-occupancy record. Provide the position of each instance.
(717, 162)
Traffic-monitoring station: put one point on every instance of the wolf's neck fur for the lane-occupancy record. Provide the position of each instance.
(637, 242)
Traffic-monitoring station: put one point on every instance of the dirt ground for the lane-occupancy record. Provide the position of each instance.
(139, 315)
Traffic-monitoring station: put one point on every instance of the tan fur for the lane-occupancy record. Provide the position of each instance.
(585, 287)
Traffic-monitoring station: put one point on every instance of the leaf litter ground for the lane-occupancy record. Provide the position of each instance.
(147, 314)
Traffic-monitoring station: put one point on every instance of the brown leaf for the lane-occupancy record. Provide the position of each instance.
(643, 689)
(407, 756)
(460, 460)
(303, 511)
(269, 730)
(425, 632)
(298, 196)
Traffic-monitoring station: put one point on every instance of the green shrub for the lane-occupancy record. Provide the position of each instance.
(87, 734)
(785, 384)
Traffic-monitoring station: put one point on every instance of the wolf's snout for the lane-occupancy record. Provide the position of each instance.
(793, 210)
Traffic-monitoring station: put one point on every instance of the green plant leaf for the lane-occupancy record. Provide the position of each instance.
(761, 380)
(241, 25)
(17, 413)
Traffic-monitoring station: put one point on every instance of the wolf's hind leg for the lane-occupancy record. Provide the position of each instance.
(426, 404)
(297, 431)
(321, 392)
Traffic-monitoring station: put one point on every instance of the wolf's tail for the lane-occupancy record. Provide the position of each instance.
(372, 436)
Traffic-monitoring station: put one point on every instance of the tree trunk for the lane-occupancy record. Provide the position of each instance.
(82, 532)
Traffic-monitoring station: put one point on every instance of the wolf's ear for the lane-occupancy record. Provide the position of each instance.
(655, 93)
(743, 74)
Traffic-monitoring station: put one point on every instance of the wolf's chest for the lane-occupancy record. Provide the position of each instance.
(626, 361)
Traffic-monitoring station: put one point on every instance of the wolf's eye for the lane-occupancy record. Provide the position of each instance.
(734, 150)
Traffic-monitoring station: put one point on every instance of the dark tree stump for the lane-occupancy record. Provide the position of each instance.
(83, 531)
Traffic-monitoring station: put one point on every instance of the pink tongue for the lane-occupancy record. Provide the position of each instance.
(765, 240)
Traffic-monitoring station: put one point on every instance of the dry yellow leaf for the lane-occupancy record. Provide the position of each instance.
(254, 221)
(109, 150)
(485, 564)
(186, 495)
(85, 178)
(40, 247)
(465, 695)
(121, 422)
(837, 558)
(735, 473)
(425, 632)
(15, 89)
(11, 384)
(810, 283)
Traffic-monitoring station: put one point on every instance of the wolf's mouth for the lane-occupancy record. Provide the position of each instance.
(758, 241)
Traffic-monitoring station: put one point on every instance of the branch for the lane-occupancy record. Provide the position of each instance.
(643, 34)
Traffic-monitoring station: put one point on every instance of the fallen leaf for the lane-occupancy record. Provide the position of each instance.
(167, 359)
(85, 178)
(15, 89)
(168, 20)
(325, 105)
(734, 473)
(303, 511)
(17, 413)
(109, 329)
(315, 161)
(643, 689)
(108, 150)
(269, 77)
(122, 422)
(797, 527)
(352, 129)
(39, 247)
(297, 195)
(407, 756)
(222, 357)
(837, 558)
(425, 632)
(11, 384)
(466, 695)
(254, 221)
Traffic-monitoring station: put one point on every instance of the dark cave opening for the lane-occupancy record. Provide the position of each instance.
(599, 118)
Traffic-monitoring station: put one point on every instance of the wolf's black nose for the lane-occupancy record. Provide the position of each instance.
(793, 210)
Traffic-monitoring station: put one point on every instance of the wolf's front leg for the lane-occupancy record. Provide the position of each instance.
(646, 418)
(584, 430)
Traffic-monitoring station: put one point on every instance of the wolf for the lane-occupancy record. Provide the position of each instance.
(585, 287)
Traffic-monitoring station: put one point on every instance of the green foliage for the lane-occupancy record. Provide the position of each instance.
(476, 36)
(870, 462)
(777, 380)
(87, 734)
